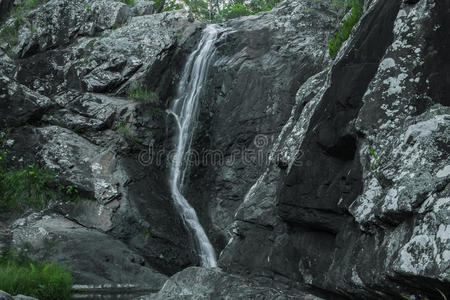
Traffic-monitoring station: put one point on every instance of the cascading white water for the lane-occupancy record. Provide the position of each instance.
(184, 110)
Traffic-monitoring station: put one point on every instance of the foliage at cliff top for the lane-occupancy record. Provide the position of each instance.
(9, 32)
(128, 2)
(21, 275)
(357, 10)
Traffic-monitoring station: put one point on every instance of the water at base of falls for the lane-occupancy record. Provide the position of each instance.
(184, 110)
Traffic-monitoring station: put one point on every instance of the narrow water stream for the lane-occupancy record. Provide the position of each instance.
(184, 110)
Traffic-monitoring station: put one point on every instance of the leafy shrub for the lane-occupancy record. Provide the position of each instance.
(199, 9)
(27, 6)
(168, 6)
(235, 10)
(357, 10)
(21, 275)
(123, 130)
(256, 6)
(231, 12)
(9, 32)
(374, 155)
(29, 186)
(25, 187)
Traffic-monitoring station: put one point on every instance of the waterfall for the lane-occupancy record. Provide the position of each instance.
(184, 110)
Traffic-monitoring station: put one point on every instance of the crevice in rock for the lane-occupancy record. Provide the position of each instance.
(330, 177)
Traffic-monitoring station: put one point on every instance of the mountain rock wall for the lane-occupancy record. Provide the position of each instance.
(315, 177)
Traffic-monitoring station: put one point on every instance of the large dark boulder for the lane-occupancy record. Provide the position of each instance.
(200, 283)
(359, 205)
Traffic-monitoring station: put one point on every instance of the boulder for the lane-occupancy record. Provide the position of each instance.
(201, 283)
(93, 257)
(5, 296)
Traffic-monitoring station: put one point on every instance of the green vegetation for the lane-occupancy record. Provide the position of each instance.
(154, 106)
(232, 11)
(27, 6)
(220, 10)
(169, 5)
(147, 235)
(239, 8)
(357, 10)
(9, 32)
(21, 275)
(340, 5)
(375, 156)
(128, 2)
(29, 186)
(123, 130)
(144, 95)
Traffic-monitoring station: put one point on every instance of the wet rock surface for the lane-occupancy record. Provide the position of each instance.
(260, 63)
(318, 176)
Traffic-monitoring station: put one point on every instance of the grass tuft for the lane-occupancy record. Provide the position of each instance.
(9, 32)
(29, 186)
(144, 95)
(21, 275)
(335, 44)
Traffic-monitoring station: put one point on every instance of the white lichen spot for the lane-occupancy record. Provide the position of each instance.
(417, 255)
(400, 26)
(443, 234)
(446, 256)
(443, 172)
(362, 208)
(424, 128)
(441, 203)
(402, 13)
(100, 210)
(391, 200)
(96, 168)
(387, 63)
(356, 279)
(395, 84)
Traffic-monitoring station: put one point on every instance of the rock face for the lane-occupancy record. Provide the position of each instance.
(51, 106)
(260, 63)
(86, 250)
(316, 176)
(360, 205)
